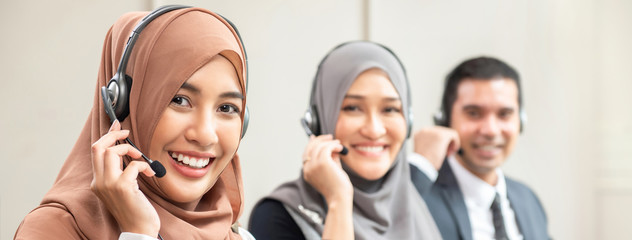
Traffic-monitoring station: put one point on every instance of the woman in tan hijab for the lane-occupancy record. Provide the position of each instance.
(187, 107)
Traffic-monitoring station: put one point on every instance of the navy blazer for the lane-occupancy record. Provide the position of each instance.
(447, 205)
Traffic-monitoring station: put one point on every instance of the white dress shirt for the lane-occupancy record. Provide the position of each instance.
(478, 196)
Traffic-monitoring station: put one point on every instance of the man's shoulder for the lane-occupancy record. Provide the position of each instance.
(518, 191)
(517, 186)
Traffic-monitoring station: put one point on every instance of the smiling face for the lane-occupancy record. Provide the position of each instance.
(371, 124)
(485, 114)
(198, 133)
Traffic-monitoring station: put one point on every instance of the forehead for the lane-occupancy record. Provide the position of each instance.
(373, 82)
(498, 92)
(218, 75)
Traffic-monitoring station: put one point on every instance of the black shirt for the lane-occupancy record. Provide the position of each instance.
(270, 220)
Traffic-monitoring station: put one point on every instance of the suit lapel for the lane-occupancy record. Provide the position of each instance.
(451, 194)
(520, 210)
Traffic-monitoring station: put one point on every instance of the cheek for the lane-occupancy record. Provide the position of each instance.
(344, 127)
(465, 130)
(229, 134)
(511, 128)
(397, 128)
(511, 133)
(167, 130)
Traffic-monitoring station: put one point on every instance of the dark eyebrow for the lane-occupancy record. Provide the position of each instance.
(190, 87)
(354, 96)
(359, 97)
(196, 90)
(232, 95)
(471, 107)
(477, 107)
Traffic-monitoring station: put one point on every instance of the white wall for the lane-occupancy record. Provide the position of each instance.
(49, 57)
(574, 58)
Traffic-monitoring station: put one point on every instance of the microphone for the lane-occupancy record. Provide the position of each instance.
(158, 168)
(309, 133)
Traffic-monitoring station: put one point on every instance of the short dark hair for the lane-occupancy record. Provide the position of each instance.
(480, 68)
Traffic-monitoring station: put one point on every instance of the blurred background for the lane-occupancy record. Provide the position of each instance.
(574, 57)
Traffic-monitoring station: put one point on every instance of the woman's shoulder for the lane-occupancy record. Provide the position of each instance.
(270, 220)
(49, 221)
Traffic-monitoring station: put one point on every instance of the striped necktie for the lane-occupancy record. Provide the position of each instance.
(499, 222)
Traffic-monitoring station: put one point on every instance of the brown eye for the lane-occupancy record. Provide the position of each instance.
(350, 108)
(473, 114)
(180, 101)
(228, 108)
(505, 114)
(392, 110)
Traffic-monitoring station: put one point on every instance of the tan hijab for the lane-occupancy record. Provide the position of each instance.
(169, 50)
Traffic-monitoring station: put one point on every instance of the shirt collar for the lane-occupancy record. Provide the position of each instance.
(474, 188)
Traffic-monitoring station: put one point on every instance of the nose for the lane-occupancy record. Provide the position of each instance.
(490, 126)
(373, 127)
(202, 130)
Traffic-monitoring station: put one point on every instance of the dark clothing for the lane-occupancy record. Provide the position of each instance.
(270, 220)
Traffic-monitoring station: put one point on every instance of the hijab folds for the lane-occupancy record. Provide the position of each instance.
(169, 50)
(387, 208)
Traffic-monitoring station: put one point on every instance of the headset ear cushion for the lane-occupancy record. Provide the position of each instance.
(409, 124)
(311, 120)
(314, 123)
(121, 107)
(523, 120)
(439, 118)
(246, 120)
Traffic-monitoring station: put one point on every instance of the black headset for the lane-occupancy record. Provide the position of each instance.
(311, 117)
(116, 94)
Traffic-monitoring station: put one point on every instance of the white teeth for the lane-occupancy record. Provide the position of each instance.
(370, 149)
(488, 147)
(191, 161)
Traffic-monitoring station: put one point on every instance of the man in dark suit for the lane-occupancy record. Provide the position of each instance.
(480, 120)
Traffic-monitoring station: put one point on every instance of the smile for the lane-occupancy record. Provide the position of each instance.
(190, 161)
(488, 147)
(372, 149)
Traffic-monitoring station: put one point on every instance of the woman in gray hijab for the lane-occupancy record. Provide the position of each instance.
(355, 181)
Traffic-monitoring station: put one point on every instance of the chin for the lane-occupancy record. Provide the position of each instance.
(371, 171)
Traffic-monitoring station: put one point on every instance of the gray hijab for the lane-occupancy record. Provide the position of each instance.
(387, 208)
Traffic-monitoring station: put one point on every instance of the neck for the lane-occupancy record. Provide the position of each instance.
(368, 186)
(189, 206)
(486, 174)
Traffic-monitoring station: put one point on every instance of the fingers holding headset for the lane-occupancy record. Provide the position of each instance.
(323, 170)
(117, 188)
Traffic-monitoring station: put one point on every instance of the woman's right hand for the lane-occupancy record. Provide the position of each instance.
(323, 170)
(117, 188)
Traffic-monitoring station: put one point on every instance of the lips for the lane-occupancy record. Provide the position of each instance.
(373, 149)
(191, 164)
(488, 150)
(370, 149)
(194, 162)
